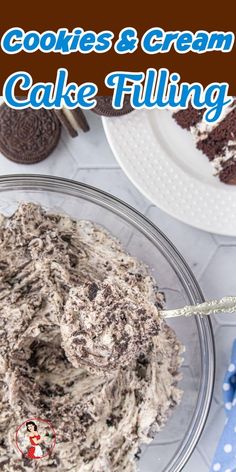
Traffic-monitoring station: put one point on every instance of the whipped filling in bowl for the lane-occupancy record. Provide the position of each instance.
(52, 269)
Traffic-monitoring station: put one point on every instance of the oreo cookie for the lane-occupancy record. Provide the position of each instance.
(73, 120)
(104, 106)
(28, 136)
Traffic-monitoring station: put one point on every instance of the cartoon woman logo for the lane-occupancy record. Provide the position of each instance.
(35, 438)
(35, 451)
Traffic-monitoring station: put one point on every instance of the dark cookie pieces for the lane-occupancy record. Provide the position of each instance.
(104, 329)
(104, 107)
(28, 136)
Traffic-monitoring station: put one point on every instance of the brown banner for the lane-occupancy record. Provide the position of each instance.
(97, 16)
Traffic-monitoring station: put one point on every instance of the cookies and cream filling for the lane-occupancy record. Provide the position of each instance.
(53, 271)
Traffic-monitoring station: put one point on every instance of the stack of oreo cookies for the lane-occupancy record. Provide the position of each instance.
(29, 136)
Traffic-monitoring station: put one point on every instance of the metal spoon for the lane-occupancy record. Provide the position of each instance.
(211, 307)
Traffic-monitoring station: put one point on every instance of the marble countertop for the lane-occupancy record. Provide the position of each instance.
(212, 258)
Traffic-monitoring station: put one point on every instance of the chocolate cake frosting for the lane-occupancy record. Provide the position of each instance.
(54, 274)
(217, 140)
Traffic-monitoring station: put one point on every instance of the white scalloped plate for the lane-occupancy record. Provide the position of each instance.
(162, 162)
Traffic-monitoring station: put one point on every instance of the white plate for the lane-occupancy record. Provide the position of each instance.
(161, 160)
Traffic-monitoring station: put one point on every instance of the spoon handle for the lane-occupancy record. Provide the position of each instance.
(212, 307)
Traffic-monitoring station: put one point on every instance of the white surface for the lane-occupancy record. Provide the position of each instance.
(212, 258)
(160, 158)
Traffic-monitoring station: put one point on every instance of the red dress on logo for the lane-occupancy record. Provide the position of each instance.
(31, 452)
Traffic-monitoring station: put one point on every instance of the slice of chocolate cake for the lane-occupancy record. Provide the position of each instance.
(217, 140)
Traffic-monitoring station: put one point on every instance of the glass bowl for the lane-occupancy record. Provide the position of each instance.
(173, 446)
